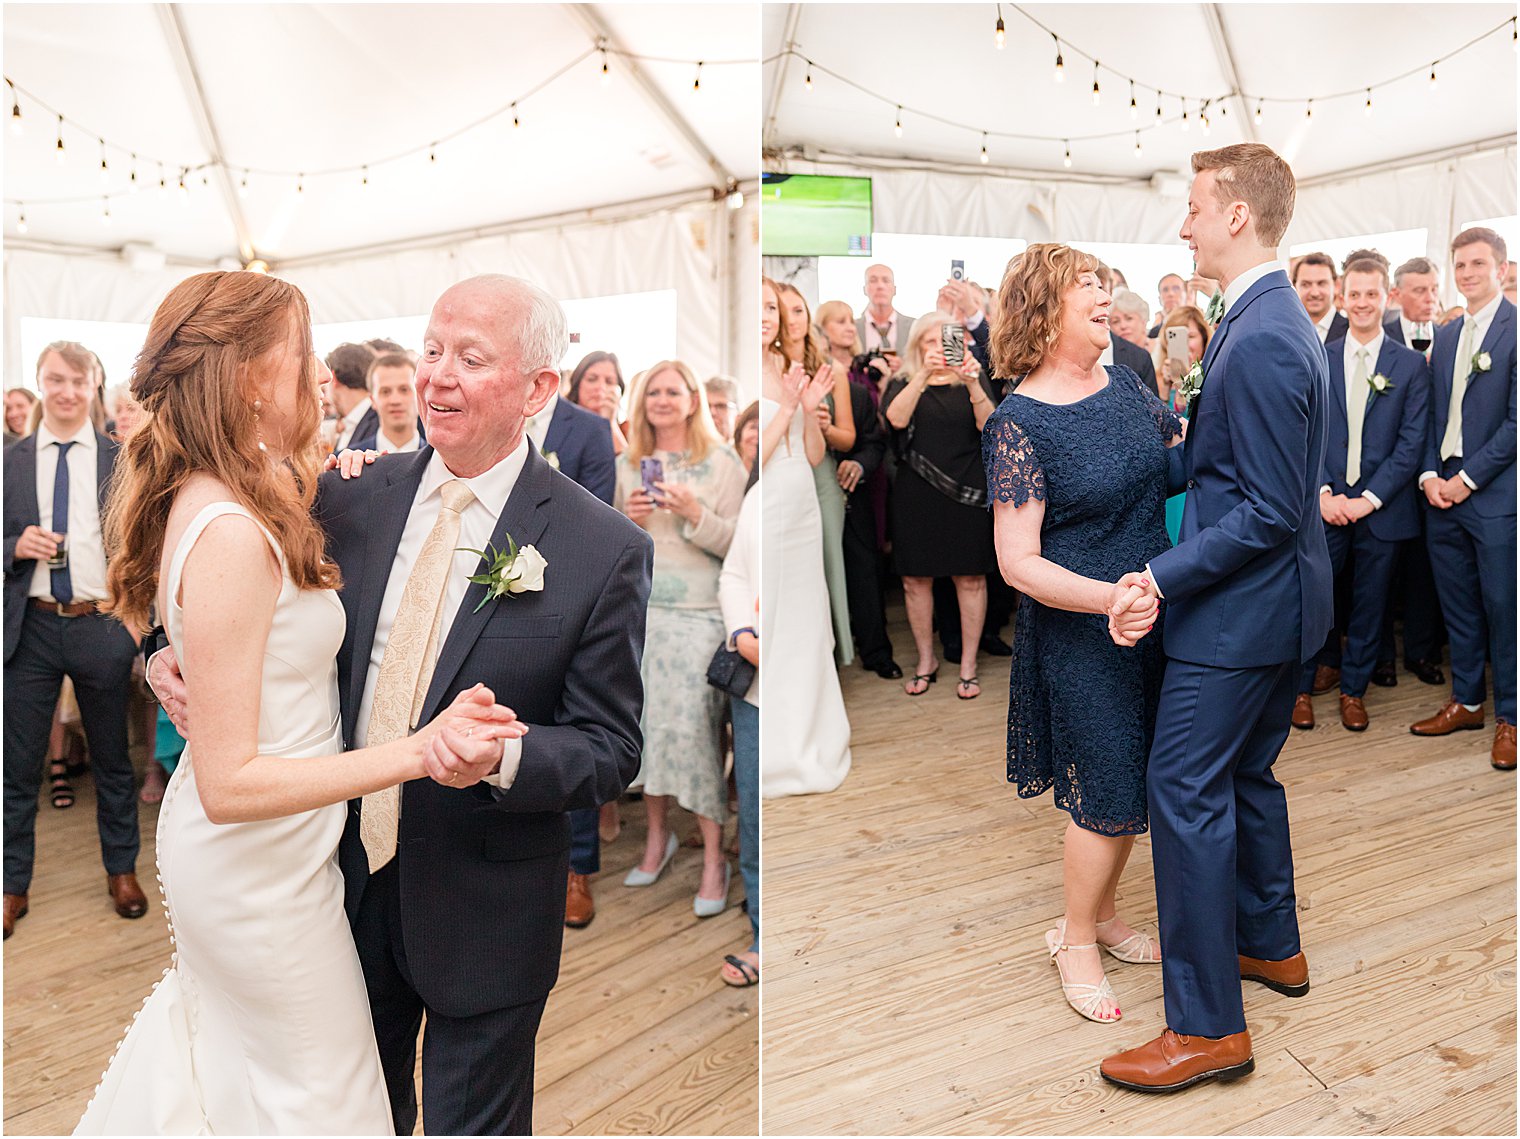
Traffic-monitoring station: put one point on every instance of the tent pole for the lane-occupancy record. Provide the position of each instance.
(788, 38)
(1226, 54)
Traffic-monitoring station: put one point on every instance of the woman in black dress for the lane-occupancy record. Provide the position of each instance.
(1078, 464)
(939, 500)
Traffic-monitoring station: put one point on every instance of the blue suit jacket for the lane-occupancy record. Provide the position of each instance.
(1249, 582)
(581, 443)
(1488, 413)
(1393, 437)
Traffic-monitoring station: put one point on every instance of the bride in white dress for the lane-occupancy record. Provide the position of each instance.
(804, 732)
(261, 1025)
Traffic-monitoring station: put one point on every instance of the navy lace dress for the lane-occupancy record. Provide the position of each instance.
(1081, 709)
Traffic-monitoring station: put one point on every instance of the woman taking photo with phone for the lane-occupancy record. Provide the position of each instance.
(1176, 358)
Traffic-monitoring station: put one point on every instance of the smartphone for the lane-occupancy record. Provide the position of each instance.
(60, 558)
(652, 471)
(957, 270)
(952, 338)
(1177, 344)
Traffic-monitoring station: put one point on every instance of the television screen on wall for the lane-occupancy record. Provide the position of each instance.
(815, 215)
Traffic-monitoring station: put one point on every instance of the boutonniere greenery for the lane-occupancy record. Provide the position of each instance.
(1480, 363)
(514, 570)
(1191, 383)
(1379, 383)
(552, 458)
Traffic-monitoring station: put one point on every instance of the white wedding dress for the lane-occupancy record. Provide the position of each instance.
(261, 1025)
(804, 732)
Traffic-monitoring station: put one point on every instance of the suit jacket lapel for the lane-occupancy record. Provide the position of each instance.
(1500, 328)
(524, 519)
(105, 463)
(26, 450)
(1338, 387)
(388, 513)
(1384, 366)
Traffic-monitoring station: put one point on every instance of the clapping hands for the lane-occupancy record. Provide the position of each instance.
(1132, 608)
(463, 744)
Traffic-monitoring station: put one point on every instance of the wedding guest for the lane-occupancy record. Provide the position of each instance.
(863, 480)
(881, 327)
(688, 505)
(722, 404)
(1119, 350)
(1509, 281)
(597, 385)
(18, 407)
(1077, 468)
(1468, 479)
(1314, 277)
(1171, 290)
(747, 436)
(1199, 334)
(53, 629)
(800, 345)
(392, 384)
(1377, 416)
(840, 336)
(122, 411)
(938, 506)
(1119, 280)
(739, 596)
(1130, 317)
(357, 418)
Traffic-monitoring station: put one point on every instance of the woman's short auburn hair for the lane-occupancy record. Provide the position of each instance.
(1026, 316)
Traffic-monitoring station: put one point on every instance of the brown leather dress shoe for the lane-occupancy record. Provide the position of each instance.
(1172, 1062)
(1353, 713)
(1451, 718)
(1303, 712)
(1503, 755)
(127, 895)
(579, 907)
(1325, 678)
(1290, 976)
(15, 910)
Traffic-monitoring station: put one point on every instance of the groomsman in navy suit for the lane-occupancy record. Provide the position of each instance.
(1248, 601)
(1315, 280)
(1468, 477)
(576, 443)
(1378, 412)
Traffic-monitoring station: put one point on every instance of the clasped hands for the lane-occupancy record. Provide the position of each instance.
(1443, 494)
(1338, 510)
(1133, 604)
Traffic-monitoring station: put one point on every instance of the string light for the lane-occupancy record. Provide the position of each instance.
(1203, 118)
(897, 126)
(132, 178)
(1433, 83)
(163, 187)
(105, 211)
(606, 70)
(58, 150)
(105, 172)
(1184, 116)
(1067, 160)
(1134, 107)
(1060, 63)
(300, 183)
(21, 222)
(515, 123)
(1096, 96)
(1000, 36)
(183, 189)
(1159, 116)
(1309, 109)
(1258, 112)
(433, 153)
(1138, 151)
(807, 80)
(15, 110)
(364, 179)
(243, 186)
(696, 84)
(1368, 109)
(984, 143)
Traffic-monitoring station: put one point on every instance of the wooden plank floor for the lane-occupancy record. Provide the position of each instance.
(639, 1036)
(908, 990)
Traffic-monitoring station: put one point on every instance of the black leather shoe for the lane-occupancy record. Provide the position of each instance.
(1429, 671)
(1386, 676)
(887, 670)
(994, 645)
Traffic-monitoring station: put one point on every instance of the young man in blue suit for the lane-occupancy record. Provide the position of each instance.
(1249, 599)
(1468, 477)
(1378, 410)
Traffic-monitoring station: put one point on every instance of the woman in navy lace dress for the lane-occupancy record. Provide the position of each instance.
(1077, 471)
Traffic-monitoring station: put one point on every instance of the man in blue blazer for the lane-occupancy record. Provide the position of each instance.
(1378, 412)
(1248, 600)
(578, 444)
(1468, 478)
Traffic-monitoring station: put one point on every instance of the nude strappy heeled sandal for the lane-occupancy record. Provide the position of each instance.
(1086, 999)
(1137, 948)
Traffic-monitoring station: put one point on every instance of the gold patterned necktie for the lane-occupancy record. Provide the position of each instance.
(1356, 412)
(406, 669)
(1461, 368)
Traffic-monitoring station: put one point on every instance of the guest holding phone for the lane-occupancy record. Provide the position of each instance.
(1177, 357)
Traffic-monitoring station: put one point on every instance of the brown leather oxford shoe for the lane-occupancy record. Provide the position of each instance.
(579, 906)
(1451, 718)
(1503, 754)
(1325, 679)
(1172, 1062)
(1290, 976)
(1303, 712)
(15, 910)
(1353, 713)
(127, 895)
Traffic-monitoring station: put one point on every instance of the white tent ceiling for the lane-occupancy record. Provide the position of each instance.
(941, 60)
(308, 88)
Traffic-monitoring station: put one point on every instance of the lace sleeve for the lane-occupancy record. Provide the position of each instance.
(1166, 419)
(1014, 473)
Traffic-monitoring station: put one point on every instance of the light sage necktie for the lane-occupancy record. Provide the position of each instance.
(1461, 367)
(406, 669)
(1356, 413)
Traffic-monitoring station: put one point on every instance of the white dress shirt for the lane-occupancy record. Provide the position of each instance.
(384, 442)
(1411, 329)
(478, 520)
(1322, 325)
(873, 338)
(1243, 282)
(86, 547)
(1356, 394)
(347, 423)
(538, 426)
(1483, 318)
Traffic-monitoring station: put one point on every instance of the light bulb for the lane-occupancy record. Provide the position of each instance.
(1060, 63)
(1000, 37)
(897, 126)
(1067, 160)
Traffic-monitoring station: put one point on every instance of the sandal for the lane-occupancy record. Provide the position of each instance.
(1086, 999)
(927, 678)
(1137, 948)
(966, 685)
(750, 973)
(62, 791)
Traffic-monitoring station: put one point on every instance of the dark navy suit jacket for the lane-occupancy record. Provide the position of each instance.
(22, 510)
(1249, 582)
(1488, 412)
(581, 443)
(1393, 437)
(482, 871)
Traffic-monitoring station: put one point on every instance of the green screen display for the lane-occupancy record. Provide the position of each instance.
(815, 215)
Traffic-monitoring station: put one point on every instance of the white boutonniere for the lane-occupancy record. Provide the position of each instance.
(1379, 383)
(1480, 363)
(508, 572)
(552, 458)
(1191, 383)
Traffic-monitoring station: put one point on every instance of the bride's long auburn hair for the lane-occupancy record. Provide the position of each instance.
(193, 381)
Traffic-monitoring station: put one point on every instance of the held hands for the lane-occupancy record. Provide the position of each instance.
(349, 463)
(1132, 609)
(36, 543)
(850, 473)
(463, 744)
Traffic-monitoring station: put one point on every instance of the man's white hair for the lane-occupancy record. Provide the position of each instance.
(542, 337)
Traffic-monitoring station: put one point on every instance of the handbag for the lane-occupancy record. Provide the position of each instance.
(730, 672)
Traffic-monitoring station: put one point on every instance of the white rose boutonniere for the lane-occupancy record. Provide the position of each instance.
(517, 569)
(552, 458)
(1191, 383)
(1480, 363)
(1380, 384)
